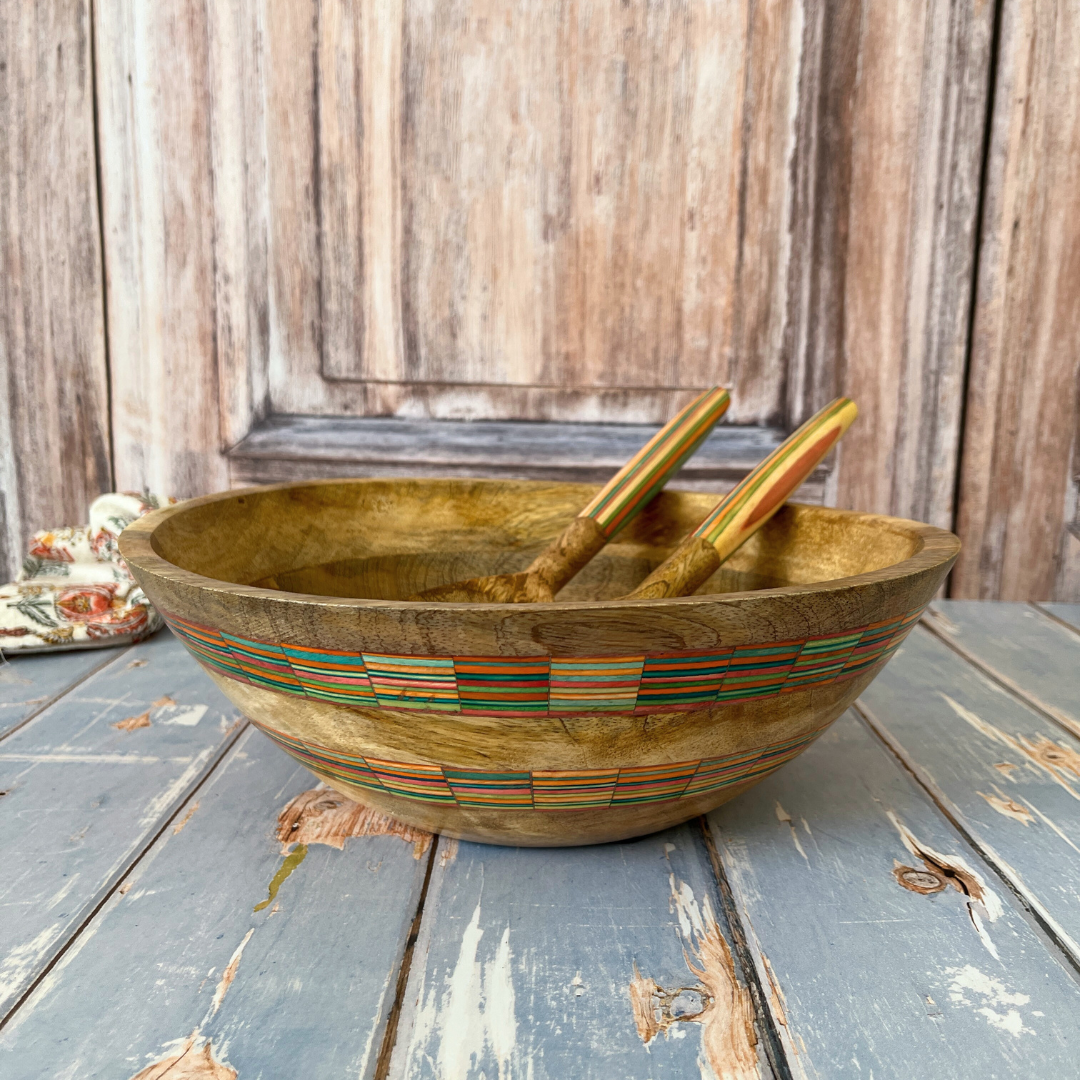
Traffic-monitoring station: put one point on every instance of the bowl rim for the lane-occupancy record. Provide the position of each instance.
(936, 547)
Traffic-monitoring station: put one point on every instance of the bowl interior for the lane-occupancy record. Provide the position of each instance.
(388, 539)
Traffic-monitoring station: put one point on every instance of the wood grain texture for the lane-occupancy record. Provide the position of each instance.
(183, 160)
(88, 796)
(1009, 776)
(309, 979)
(914, 148)
(545, 208)
(329, 568)
(1023, 408)
(1067, 583)
(858, 969)
(870, 924)
(35, 682)
(617, 503)
(527, 964)
(292, 448)
(576, 212)
(55, 457)
(157, 197)
(236, 34)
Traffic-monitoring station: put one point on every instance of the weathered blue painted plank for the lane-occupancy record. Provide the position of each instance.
(28, 684)
(867, 978)
(562, 963)
(1069, 613)
(179, 957)
(84, 797)
(1025, 650)
(1008, 775)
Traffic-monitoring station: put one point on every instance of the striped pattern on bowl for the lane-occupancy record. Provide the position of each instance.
(548, 790)
(522, 685)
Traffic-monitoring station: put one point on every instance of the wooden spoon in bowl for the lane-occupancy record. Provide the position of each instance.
(623, 496)
(748, 506)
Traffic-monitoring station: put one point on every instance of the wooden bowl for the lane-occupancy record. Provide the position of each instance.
(584, 720)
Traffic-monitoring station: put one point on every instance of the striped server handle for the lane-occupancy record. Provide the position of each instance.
(749, 505)
(642, 477)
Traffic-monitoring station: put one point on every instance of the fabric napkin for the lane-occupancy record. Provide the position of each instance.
(74, 591)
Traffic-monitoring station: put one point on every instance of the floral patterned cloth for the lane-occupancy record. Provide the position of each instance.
(74, 591)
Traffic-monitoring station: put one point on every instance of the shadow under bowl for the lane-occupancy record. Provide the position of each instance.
(585, 720)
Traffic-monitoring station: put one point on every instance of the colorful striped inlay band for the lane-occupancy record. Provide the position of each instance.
(522, 685)
(551, 790)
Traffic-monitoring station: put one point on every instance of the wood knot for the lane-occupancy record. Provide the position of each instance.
(920, 881)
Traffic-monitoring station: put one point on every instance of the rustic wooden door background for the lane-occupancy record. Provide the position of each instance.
(220, 213)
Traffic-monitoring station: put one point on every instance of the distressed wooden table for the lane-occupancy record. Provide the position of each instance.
(179, 899)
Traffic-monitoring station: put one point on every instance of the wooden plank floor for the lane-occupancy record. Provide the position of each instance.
(29, 686)
(180, 899)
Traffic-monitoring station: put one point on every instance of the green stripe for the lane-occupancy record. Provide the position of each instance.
(643, 480)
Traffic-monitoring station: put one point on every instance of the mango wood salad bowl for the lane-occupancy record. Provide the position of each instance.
(573, 722)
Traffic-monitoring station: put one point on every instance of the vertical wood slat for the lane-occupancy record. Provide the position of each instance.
(359, 135)
(1022, 407)
(184, 196)
(236, 35)
(54, 427)
(887, 193)
(158, 210)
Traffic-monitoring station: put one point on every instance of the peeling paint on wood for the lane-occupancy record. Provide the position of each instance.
(1018, 646)
(71, 760)
(562, 935)
(152, 961)
(229, 973)
(324, 816)
(645, 1005)
(29, 683)
(131, 723)
(990, 995)
(182, 715)
(949, 722)
(522, 958)
(958, 872)
(1055, 759)
(1009, 807)
(727, 1037)
(194, 1061)
(855, 963)
(179, 826)
(785, 819)
(448, 850)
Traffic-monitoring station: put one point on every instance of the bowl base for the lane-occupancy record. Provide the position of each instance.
(527, 828)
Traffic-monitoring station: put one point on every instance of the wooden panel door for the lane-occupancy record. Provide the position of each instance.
(578, 211)
(530, 211)
(575, 211)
